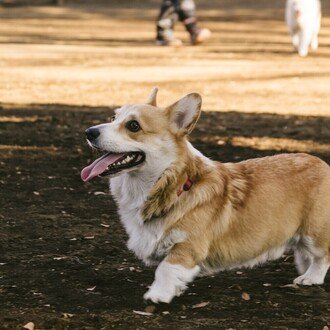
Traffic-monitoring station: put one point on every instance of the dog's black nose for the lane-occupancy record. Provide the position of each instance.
(92, 133)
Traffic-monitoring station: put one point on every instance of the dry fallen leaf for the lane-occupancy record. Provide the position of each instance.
(246, 296)
(286, 258)
(200, 305)
(295, 286)
(60, 258)
(91, 289)
(150, 309)
(236, 287)
(99, 193)
(143, 313)
(67, 315)
(29, 326)
(104, 225)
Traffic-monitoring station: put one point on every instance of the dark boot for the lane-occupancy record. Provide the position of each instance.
(165, 24)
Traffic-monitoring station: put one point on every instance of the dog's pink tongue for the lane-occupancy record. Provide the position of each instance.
(99, 166)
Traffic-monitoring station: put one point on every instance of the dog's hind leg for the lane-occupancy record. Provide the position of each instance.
(312, 262)
(305, 37)
(315, 42)
(315, 273)
(295, 40)
(302, 260)
(316, 233)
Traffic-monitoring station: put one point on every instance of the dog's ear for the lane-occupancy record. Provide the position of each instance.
(185, 113)
(153, 97)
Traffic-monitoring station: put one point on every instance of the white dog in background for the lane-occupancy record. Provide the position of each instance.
(303, 18)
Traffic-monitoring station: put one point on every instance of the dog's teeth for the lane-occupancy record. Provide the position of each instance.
(126, 160)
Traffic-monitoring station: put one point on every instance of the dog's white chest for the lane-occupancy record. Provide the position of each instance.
(147, 240)
(144, 239)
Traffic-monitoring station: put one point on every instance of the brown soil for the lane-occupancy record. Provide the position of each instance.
(63, 260)
(54, 247)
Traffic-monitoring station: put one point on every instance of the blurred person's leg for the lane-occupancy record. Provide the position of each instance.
(186, 10)
(165, 24)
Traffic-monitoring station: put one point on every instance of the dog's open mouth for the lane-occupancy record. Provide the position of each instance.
(111, 163)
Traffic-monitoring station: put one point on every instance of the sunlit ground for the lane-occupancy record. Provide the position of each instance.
(105, 55)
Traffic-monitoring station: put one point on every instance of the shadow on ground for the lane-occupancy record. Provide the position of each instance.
(64, 263)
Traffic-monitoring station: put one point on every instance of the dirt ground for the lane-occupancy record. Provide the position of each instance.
(63, 259)
(104, 54)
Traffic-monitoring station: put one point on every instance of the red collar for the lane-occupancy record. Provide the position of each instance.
(186, 186)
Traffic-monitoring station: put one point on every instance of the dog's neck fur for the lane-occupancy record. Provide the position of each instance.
(143, 196)
(163, 194)
(154, 193)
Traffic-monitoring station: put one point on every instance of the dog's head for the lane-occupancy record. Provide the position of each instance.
(142, 136)
(298, 7)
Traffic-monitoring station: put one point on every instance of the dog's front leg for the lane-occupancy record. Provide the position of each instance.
(171, 278)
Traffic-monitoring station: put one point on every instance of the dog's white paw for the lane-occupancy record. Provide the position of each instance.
(170, 281)
(157, 295)
(315, 44)
(303, 52)
(295, 42)
(308, 280)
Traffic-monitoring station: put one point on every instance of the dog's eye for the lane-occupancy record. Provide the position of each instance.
(112, 118)
(133, 126)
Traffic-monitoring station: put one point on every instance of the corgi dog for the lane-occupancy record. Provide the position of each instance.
(192, 216)
(303, 18)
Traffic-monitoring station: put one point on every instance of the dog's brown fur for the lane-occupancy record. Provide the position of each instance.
(239, 211)
(236, 212)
